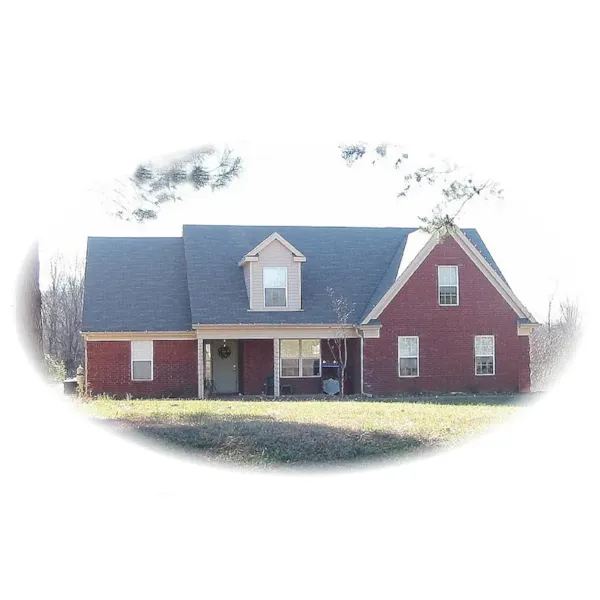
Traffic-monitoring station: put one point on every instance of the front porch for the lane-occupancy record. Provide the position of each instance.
(274, 367)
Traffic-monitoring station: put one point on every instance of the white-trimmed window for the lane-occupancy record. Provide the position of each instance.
(142, 360)
(485, 355)
(275, 286)
(448, 285)
(408, 356)
(300, 358)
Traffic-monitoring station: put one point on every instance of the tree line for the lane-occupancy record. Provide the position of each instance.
(553, 344)
(62, 309)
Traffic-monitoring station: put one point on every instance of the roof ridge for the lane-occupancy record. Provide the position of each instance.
(279, 226)
(134, 237)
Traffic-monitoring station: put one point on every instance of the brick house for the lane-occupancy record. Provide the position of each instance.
(247, 310)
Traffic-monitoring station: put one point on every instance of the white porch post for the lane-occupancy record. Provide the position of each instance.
(200, 367)
(362, 365)
(276, 367)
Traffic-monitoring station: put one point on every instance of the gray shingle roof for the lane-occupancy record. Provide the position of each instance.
(136, 284)
(476, 240)
(169, 284)
(351, 260)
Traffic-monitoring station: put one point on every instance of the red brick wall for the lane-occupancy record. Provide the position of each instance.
(257, 365)
(175, 369)
(446, 333)
(257, 357)
(303, 385)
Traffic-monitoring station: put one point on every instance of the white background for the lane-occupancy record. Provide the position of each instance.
(92, 89)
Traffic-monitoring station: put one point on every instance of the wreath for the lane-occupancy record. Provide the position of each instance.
(224, 351)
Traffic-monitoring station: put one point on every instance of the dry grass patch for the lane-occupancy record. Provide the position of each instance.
(268, 433)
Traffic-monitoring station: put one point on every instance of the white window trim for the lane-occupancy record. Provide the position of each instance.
(476, 356)
(142, 360)
(265, 289)
(457, 286)
(416, 337)
(299, 359)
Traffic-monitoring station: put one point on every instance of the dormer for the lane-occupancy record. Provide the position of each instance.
(273, 275)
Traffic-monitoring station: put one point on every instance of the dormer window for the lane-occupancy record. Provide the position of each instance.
(273, 275)
(275, 286)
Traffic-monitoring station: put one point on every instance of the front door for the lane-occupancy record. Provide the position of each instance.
(225, 366)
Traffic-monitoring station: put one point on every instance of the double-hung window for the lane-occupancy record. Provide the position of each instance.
(275, 286)
(142, 360)
(300, 358)
(448, 285)
(408, 356)
(485, 355)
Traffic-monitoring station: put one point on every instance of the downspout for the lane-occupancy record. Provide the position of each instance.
(362, 361)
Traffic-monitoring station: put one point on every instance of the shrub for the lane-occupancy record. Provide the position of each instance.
(56, 371)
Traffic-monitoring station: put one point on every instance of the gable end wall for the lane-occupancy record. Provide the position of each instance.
(446, 333)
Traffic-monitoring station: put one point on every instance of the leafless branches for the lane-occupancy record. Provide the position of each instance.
(62, 308)
(553, 345)
(455, 185)
(338, 344)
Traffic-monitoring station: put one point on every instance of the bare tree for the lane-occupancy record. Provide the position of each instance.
(338, 344)
(62, 308)
(553, 345)
(456, 185)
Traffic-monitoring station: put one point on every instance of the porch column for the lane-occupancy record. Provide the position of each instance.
(362, 365)
(200, 367)
(276, 367)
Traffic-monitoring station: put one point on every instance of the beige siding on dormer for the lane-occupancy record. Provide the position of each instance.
(276, 255)
(247, 266)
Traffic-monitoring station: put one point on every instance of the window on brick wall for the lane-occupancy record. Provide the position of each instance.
(300, 358)
(448, 285)
(142, 360)
(408, 356)
(485, 355)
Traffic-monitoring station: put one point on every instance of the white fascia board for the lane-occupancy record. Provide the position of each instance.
(493, 277)
(401, 280)
(475, 256)
(275, 236)
(247, 259)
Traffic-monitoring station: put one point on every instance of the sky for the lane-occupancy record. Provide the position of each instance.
(533, 242)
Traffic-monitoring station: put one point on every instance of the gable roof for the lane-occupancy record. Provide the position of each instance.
(136, 284)
(388, 277)
(473, 236)
(480, 257)
(351, 260)
(273, 237)
(171, 284)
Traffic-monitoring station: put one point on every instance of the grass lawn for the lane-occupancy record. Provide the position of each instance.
(266, 433)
